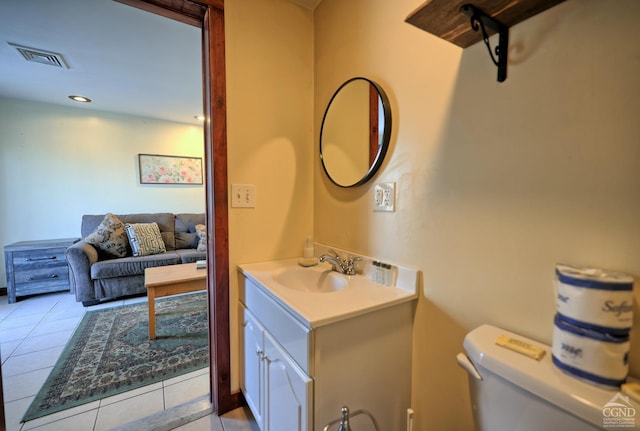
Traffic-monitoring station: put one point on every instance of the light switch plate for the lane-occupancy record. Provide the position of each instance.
(384, 197)
(243, 196)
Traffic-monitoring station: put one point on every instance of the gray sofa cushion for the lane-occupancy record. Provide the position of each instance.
(190, 255)
(127, 266)
(185, 225)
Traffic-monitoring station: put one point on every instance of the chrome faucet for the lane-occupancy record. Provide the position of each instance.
(343, 421)
(342, 265)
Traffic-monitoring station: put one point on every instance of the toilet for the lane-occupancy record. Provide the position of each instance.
(513, 392)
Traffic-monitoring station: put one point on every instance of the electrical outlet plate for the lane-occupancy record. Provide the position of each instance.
(384, 197)
(243, 196)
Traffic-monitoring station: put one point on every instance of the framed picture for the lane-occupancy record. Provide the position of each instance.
(157, 169)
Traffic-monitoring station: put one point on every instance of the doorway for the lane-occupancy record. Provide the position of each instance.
(209, 15)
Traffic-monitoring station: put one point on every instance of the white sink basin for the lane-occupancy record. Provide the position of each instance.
(317, 296)
(315, 279)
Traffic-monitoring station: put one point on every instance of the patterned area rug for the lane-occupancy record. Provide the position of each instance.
(110, 352)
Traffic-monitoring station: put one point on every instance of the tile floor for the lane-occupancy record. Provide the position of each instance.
(33, 333)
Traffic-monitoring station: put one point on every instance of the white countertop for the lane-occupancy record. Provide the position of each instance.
(313, 309)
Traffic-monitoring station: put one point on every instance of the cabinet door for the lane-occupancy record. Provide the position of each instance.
(289, 391)
(252, 360)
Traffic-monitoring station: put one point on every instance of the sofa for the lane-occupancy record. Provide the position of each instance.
(109, 266)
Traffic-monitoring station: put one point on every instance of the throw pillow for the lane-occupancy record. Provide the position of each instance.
(109, 237)
(145, 238)
(201, 231)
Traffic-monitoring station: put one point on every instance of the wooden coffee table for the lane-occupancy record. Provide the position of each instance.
(171, 280)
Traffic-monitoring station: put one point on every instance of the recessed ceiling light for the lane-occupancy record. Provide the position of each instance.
(82, 99)
(199, 117)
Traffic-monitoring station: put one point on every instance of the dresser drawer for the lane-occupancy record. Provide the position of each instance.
(59, 274)
(38, 259)
(34, 267)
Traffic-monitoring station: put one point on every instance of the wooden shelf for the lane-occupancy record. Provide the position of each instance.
(444, 19)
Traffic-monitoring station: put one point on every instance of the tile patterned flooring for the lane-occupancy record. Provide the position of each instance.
(33, 333)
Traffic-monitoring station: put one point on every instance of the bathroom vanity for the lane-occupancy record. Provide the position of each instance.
(314, 340)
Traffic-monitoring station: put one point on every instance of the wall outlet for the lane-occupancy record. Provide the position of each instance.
(243, 196)
(384, 197)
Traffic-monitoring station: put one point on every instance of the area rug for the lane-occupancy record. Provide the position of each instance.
(110, 352)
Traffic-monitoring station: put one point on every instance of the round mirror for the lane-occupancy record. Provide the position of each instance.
(355, 132)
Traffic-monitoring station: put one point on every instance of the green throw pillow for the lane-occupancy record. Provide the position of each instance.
(109, 237)
(145, 238)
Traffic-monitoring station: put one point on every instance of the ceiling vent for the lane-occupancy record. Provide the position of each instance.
(40, 56)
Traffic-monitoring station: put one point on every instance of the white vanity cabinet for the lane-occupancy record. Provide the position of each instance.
(277, 391)
(288, 390)
(253, 372)
(296, 375)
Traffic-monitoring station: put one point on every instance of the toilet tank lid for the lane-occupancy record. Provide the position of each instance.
(540, 378)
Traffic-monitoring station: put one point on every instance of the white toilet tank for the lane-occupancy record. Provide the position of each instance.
(513, 392)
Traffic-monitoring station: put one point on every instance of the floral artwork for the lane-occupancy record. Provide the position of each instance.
(156, 169)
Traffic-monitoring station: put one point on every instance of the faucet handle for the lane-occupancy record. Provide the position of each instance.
(334, 253)
(350, 264)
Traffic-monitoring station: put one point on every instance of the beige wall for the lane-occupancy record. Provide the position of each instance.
(270, 133)
(58, 163)
(495, 182)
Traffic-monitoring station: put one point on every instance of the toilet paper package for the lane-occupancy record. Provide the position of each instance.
(592, 356)
(595, 299)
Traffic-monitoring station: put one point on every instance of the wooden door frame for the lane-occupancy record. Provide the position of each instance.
(209, 15)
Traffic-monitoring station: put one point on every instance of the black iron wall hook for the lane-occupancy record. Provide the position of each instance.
(479, 21)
